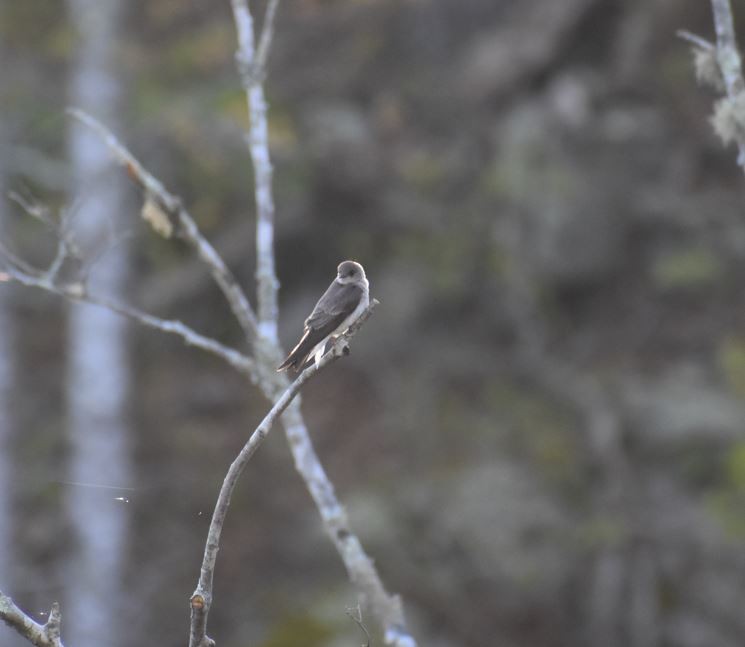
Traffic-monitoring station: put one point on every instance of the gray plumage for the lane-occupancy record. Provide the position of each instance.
(343, 302)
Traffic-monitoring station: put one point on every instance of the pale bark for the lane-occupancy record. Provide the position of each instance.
(723, 70)
(730, 64)
(165, 212)
(386, 609)
(98, 373)
(201, 599)
(46, 635)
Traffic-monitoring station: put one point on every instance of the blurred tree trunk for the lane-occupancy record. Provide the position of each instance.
(98, 377)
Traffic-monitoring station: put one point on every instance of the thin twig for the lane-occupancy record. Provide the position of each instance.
(251, 71)
(78, 292)
(267, 31)
(186, 226)
(201, 599)
(13, 259)
(355, 613)
(66, 247)
(695, 39)
(46, 635)
(32, 208)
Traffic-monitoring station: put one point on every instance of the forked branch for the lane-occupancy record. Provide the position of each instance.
(46, 635)
(201, 599)
(157, 197)
(166, 213)
(78, 292)
(251, 68)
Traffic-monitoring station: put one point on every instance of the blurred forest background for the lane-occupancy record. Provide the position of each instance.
(538, 435)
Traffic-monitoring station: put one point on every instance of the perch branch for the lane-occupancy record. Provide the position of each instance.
(46, 635)
(201, 599)
(251, 70)
(385, 608)
(182, 222)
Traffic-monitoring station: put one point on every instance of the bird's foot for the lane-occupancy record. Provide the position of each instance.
(339, 346)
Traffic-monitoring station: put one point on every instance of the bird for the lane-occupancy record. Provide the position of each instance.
(344, 301)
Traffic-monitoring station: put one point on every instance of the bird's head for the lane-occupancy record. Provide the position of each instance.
(350, 272)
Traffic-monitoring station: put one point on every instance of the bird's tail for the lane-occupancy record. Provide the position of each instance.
(298, 355)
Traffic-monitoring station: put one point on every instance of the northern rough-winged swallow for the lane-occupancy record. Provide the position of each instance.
(340, 306)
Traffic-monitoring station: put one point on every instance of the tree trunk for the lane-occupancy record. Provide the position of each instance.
(98, 371)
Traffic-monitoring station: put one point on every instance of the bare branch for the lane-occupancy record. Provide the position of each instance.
(201, 599)
(251, 71)
(16, 261)
(729, 117)
(66, 247)
(355, 613)
(184, 224)
(32, 208)
(267, 31)
(727, 52)
(78, 292)
(47, 635)
(694, 39)
(385, 608)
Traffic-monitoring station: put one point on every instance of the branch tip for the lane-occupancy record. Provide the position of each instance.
(695, 39)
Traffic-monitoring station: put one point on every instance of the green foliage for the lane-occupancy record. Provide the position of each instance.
(729, 509)
(299, 630)
(149, 97)
(200, 51)
(46, 21)
(62, 42)
(456, 411)
(728, 502)
(447, 254)
(736, 466)
(674, 69)
(687, 268)
(424, 172)
(732, 362)
(523, 164)
(602, 531)
(538, 429)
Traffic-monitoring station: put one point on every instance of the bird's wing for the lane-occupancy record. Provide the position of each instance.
(299, 355)
(336, 304)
